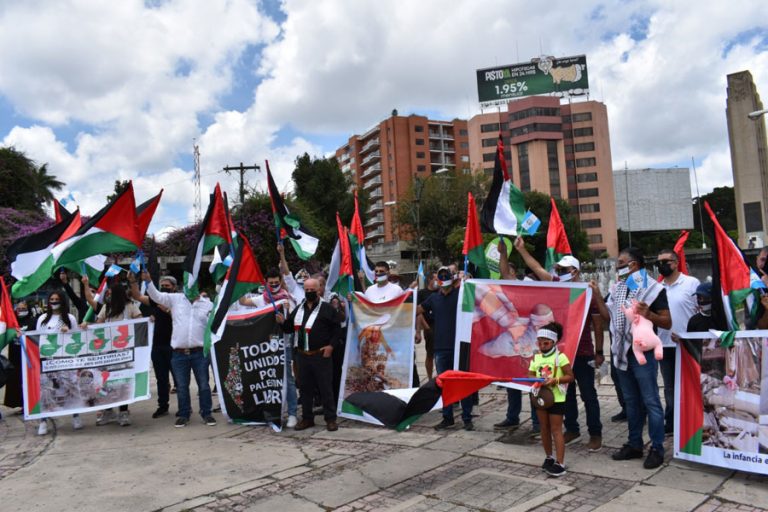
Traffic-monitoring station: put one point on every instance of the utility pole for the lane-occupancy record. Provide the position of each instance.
(241, 169)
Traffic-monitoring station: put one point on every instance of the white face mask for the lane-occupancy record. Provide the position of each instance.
(56, 306)
(383, 278)
(623, 271)
(565, 277)
(22, 314)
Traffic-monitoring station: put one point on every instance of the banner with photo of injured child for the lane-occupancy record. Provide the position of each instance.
(248, 367)
(379, 349)
(81, 371)
(497, 322)
(721, 395)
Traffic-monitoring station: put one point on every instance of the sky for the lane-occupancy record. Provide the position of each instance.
(102, 91)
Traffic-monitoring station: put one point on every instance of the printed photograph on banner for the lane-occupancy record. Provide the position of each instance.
(86, 370)
(249, 365)
(505, 317)
(379, 349)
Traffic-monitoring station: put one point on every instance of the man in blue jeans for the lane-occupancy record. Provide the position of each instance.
(638, 382)
(190, 318)
(439, 310)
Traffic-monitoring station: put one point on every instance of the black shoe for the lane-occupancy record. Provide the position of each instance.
(182, 422)
(468, 426)
(653, 460)
(627, 453)
(444, 424)
(556, 470)
(161, 411)
(210, 421)
(669, 430)
(617, 418)
(548, 463)
(505, 425)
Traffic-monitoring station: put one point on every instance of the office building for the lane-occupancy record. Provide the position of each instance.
(653, 199)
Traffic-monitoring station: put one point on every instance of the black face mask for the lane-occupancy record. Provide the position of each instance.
(665, 268)
(311, 296)
(166, 289)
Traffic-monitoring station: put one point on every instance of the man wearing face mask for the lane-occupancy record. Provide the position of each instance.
(316, 327)
(638, 382)
(441, 308)
(681, 290)
(587, 353)
(382, 290)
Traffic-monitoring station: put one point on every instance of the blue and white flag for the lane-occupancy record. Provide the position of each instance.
(754, 280)
(138, 263)
(113, 270)
(638, 280)
(66, 201)
(530, 223)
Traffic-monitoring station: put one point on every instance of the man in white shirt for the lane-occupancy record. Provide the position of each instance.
(681, 295)
(382, 290)
(189, 322)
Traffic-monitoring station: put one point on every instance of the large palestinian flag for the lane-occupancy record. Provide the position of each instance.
(557, 240)
(473, 250)
(91, 267)
(223, 253)
(113, 229)
(213, 231)
(357, 243)
(340, 273)
(504, 208)
(288, 225)
(9, 325)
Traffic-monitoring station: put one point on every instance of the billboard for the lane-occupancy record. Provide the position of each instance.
(544, 75)
(656, 199)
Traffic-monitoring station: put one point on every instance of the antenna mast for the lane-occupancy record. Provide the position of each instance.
(198, 202)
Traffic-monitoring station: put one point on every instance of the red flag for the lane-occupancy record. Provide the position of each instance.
(473, 250)
(557, 239)
(457, 384)
(59, 211)
(9, 325)
(680, 251)
(345, 266)
(356, 228)
(144, 213)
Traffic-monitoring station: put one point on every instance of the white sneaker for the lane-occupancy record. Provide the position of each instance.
(292, 421)
(42, 428)
(124, 418)
(77, 423)
(106, 416)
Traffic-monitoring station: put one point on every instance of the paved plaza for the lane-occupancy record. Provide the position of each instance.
(154, 466)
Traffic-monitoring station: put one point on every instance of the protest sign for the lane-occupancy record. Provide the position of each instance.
(87, 370)
(496, 323)
(248, 366)
(379, 349)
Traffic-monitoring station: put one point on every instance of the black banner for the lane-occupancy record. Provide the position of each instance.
(249, 367)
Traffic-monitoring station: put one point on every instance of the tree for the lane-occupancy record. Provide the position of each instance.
(14, 224)
(24, 185)
(722, 200)
(120, 185)
(320, 190)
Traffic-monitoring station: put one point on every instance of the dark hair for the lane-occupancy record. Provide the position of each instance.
(382, 264)
(670, 252)
(117, 301)
(556, 327)
(635, 254)
(272, 272)
(63, 310)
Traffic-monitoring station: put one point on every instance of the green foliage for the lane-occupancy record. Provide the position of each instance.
(320, 190)
(722, 200)
(119, 187)
(23, 184)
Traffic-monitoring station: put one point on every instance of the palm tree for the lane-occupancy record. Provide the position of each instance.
(45, 184)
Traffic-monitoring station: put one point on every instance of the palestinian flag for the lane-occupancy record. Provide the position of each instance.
(731, 276)
(504, 208)
(90, 267)
(113, 229)
(357, 243)
(222, 253)
(340, 273)
(557, 240)
(144, 214)
(31, 258)
(213, 231)
(691, 399)
(399, 408)
(474, 251)
(244, 275)
(679, 250)
(288, 225)
(59, 212)
(9, 325)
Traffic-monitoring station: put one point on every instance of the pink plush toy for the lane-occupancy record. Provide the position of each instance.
(643, 337)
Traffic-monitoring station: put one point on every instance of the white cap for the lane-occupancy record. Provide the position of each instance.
(569, 261)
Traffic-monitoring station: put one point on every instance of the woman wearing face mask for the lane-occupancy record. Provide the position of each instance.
(118, 307)
(57, 318)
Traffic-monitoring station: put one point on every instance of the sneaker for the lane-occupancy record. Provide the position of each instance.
(161, 411)
(595, 443)
(505, 425)
(469, 426)
(106, 416)
(210, 421)
(556, 470)
(77, 423)
(653, 460)
(173, 390)
(627, 453)
(444, 424)
(617, 418)
(42, 428)
(570, 437)
(124, 419)
(548, 463)
(182, 422)
(292, 421)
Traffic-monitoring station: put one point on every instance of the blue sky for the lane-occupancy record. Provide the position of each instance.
(104, 92)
